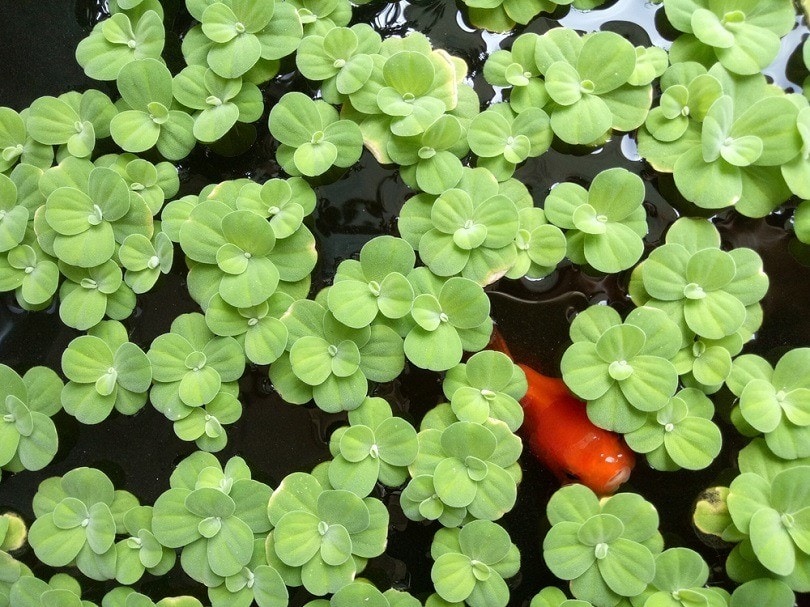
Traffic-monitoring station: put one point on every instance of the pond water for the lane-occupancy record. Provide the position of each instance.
(138, 453)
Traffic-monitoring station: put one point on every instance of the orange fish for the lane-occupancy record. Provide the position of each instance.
(566, 442)
(562, 437)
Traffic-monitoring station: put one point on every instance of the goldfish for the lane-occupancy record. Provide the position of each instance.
(563, 439)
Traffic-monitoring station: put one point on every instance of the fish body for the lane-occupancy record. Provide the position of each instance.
(565, 441)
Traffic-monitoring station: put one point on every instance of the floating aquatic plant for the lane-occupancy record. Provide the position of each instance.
(706, 290)
(116, 41)
(75, 522)
(604, 224)
(324, 535)
(471, 564)
(488, 385)
(212, 514)
(606, 549)
(376, 446)
(774, 400)
(312, 137)
(28, 436)
(106, 372)
(623, 369)
(742, 36)
(680, 435)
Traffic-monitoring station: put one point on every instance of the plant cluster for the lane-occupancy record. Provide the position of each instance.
(502, 15)
(195, 374)
(607, 549)
(762, 511)
(28, 437)
(482, 230)
(97, 228)
(589, 85)
(720, 133)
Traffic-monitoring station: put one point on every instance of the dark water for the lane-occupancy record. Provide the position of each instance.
(37, 40)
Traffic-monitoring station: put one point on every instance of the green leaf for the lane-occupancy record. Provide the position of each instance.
(54, 546)
(563, 83)
(628, 567)
(693, 443)
(583, 122)
(771, 542)
(296, 538)
(453, 577)
(607, 60)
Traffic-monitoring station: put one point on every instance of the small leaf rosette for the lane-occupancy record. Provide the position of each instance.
(17, 146)
(623, 369)
(410, 87)
(707, 291)
(517, 70)
(241, 258)
(773, 513)
(502, 138)
(689, 90)
(84, 223)
(429, 160)
(735, 149)
(240, 38)
(257, 328)
(469, 230)
(257, 583)
(128, 597)
(680, 576)
(607, 549)
(152, 183)
(213, 514)
(450, 316)
(362, 592)
(284, 202)
(218, 103)
(742, 36)
(771, 544)
(774, 400)
(375, 285)
(28, 438)
(73, 119)
(76, 522)
(705, 364)
(195, 375)
(89, 294)
(313, 139)
(341, 59)
(589, 85)
(488, 385)
(106, 372)
(330, 362)
(540, 245)
(463, 470)
(376, 446)
(679, 435)
(471, 564)
(604, 224)
(140, 552)
(322, 537)
(720, 139)
(119, 40)
(148, 119)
